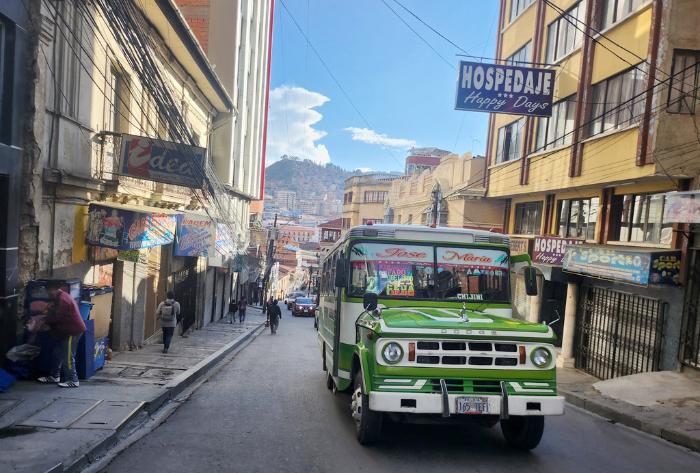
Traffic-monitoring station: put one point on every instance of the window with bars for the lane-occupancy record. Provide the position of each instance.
(556, 130)
(509, 141)
(375, 196)
(577, 218)
(528, 218)
(520, 57)
(616, 10)
(618, 101)
(517, 7)
(639, 218)
(565, 34)
(683, 88)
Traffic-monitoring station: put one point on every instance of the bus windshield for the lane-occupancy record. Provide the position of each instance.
(414, 271)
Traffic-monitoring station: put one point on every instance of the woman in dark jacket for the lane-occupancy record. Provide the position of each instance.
(274, 313)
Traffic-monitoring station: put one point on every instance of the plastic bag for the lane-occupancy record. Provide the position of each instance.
(23, 352)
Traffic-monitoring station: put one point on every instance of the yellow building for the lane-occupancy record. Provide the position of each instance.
(621, 135)
(363, 199)
(459, 181)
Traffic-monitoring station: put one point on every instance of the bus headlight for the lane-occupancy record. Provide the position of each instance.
(540, 357)
(392, 353)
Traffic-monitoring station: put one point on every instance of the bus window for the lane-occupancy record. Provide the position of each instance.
(472, 274)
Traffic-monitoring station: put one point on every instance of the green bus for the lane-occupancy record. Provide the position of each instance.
(416, 322)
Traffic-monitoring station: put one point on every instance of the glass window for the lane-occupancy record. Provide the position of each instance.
(517, 7)
(521, 57)
(375, 196)
(577, 218)
(616, 10)
(563, 34)
(682, 93)
(528, 217)
(509, 141)
(640, 218)
(397, 270)
(618, 101)
(557, 130)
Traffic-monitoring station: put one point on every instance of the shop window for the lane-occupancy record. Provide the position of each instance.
(528, 218)
(625, 88)
(682, 91)
(509, 141)
(577, 218)
(520, 57)
(639, 218)
(616, 10)
(557, 130)
(565, 34)
(517, 7)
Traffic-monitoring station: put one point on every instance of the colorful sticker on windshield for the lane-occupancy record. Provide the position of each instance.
(391, 252)
(474, 257)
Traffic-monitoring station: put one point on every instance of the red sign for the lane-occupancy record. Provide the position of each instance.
(550, 249)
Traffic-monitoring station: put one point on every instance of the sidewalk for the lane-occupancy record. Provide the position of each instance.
(665, 403)
(45, 428)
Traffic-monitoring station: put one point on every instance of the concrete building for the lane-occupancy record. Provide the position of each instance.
(286, 200)
(329, 232)
(597, 172)
(363, 199)
(460, 183)
(423, 159)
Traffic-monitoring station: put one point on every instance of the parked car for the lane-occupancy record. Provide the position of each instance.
(291, 297)
(304, 306)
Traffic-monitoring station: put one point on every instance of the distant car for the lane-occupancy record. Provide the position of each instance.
(304, 306)
(291, 297)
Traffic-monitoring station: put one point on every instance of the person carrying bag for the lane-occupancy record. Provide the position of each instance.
(168, 312)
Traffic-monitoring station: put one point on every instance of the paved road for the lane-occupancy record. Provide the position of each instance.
(268, 410)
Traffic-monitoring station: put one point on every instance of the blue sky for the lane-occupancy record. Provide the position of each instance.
(404, 90)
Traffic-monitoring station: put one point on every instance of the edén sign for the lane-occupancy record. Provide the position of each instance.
(504, 89)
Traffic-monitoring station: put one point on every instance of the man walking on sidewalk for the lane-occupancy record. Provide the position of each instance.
(67, 326)
(273, 314)
(242, 305)
(168, 312)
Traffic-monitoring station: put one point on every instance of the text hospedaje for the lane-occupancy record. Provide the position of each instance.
(494, 78)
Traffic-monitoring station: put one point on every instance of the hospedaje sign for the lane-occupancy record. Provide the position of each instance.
(162, 161)
(504, 89)
(128, 228)
(550, 250)
(635, 266)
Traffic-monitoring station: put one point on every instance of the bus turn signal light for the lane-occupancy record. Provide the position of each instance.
(521, 352)
(411, 351)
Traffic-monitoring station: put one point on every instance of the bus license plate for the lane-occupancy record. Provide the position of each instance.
(472, 405)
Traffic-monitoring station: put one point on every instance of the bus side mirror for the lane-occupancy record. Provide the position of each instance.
(530, 274)
(370, 301)
(341, 274)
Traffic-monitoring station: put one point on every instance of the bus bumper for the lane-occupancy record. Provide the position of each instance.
(429, 403)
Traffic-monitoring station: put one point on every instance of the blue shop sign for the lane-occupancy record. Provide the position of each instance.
(635, 266)
(504, 89)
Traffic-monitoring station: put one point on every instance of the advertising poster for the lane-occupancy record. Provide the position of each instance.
(682, 207)
(123, 229)
(608, 263)
(504, 89)
(162, 161)
(195, 235)
(551, 250)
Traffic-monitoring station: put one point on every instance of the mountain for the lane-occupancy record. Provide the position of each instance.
(306, 178)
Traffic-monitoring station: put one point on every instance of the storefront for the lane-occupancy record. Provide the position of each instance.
(628, 318)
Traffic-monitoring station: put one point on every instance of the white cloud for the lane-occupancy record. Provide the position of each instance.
(372, 137)
(364, 169)
(290, 125)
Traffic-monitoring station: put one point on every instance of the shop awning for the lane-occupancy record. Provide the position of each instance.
(129, 227)
(632, 265)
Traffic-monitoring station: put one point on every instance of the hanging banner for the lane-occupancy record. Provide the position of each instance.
(195, 235)
(682, 207)
(134, 256)
(122, 228)
(162, 161)
(519, 246)
(504, 89)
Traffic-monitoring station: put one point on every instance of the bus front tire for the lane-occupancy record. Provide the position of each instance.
(368, 423)
(523, 432)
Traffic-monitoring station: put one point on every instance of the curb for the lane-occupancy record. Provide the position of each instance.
(630, 420)
(172, 389)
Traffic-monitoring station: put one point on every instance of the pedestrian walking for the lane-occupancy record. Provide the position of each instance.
(168, 312)
(242, 305)
(232, 308)
(273, 314)
(67, 326)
